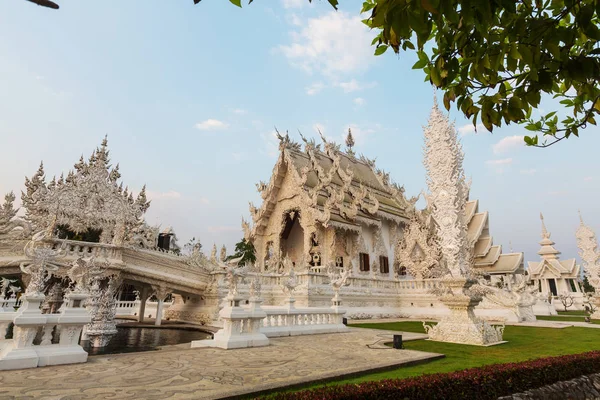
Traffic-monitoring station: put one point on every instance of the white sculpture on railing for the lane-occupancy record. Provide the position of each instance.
(290, 282)
(448, 194)
(519, 299)
(590, 255)
(41, 262)
(337, 279)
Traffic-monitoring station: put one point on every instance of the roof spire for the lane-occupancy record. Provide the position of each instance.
(580, 217)
(545, 233)
(349, 142)
(547, 251)
(510, 249)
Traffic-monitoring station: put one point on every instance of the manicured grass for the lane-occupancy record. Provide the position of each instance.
(572, 312)
(524, 343)
(565, 318)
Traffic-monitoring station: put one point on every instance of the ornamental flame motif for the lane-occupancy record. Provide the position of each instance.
(443, 159)
(588, 251)
(88, 198)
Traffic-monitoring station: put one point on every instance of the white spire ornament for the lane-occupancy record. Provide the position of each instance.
(447, 199)
(448, 190)
(588, 251)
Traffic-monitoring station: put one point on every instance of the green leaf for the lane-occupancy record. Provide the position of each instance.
(236, 2)
(420, 64)
(381, 49)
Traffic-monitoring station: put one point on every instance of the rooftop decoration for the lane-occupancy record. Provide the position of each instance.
(89, 197)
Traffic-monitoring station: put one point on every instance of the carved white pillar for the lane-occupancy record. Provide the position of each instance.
(160, 292)
(143, 297)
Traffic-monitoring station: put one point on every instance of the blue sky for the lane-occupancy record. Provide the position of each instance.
(189, 95)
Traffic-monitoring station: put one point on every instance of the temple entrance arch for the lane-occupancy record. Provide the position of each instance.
(291, 239)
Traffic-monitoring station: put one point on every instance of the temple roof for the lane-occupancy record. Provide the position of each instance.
(341, 188)
(489, 257)
(550, 264)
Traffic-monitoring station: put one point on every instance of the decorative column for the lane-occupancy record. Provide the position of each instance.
(238, 323)
(160, 292)
(143, 297)
(588, 251)
(103, 327)
(448, 194)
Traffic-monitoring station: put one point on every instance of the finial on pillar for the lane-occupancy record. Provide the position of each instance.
(545, 234)
(580, 217)
(349, 142)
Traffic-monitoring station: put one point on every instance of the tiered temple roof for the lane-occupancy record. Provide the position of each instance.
(489, 257)
(550, 263)
(341, 188)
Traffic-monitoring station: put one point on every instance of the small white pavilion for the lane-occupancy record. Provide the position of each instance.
(553, 276)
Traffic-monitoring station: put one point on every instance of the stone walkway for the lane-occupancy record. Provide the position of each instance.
(212, 373)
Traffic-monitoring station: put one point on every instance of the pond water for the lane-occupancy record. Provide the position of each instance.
(129, 340)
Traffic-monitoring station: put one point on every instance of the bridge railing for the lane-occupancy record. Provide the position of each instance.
(10, 304)
(302, 321)
(75, 248)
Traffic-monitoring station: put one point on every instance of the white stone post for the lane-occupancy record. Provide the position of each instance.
(143, 297)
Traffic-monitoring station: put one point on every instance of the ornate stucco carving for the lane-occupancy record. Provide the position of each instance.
(588, 251)
(12, 227)
(419, 250)
(448, 191)
(90, 197)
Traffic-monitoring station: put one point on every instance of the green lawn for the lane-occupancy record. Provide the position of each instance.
(524, 343)
(566, 318)
(572, 312)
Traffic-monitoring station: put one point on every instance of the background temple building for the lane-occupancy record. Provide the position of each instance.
(552, 276)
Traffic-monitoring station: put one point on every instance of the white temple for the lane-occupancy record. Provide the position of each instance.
(553, 276)
(334, 237)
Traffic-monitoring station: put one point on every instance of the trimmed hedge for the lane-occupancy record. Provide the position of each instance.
(489, 382)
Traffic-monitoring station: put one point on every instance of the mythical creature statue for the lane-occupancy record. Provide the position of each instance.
(291, 282)
(337, 278)
(233, 273)
(146, 236)
(42, 262)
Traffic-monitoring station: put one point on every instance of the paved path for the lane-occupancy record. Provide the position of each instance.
(207, 373)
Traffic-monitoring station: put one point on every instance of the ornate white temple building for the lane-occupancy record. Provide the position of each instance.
(553, 276)
(324, 210)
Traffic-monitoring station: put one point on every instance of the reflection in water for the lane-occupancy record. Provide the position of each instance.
(129, 340)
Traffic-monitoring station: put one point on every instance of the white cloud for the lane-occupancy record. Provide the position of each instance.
(171, 194)
(588, 178)
(530, 171)
(359, 101)
(508, 143)
(353, 85)
(240, 111)
(315, 88)
(293, 3)
(504, 161)
(333, 44)
(293, 19)
(211, 124)
(469, 128)
(558, 193)
(215, 229)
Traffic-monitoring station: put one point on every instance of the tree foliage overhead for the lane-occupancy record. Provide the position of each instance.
(495, 58)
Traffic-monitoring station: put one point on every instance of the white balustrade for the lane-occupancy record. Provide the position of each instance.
(302, 321)
(74, 248)
(65, 328)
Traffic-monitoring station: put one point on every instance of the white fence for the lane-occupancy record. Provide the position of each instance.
(301, 321)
